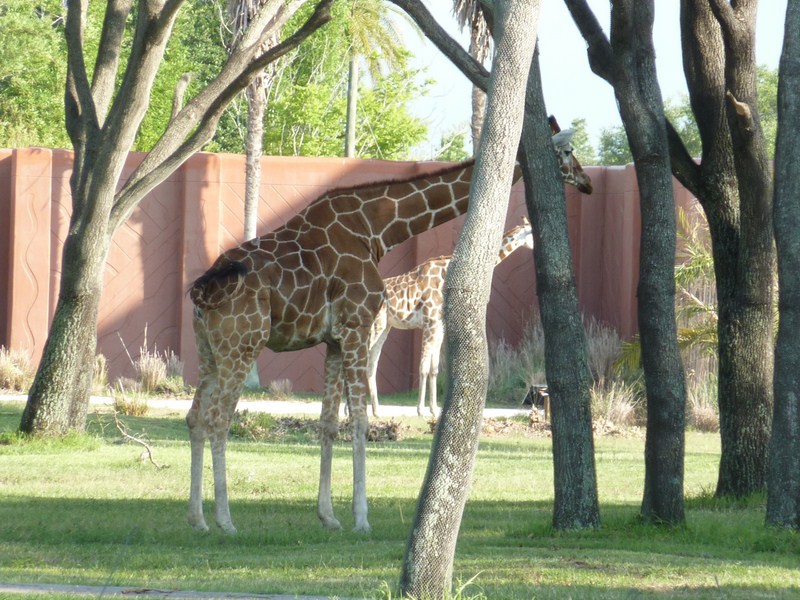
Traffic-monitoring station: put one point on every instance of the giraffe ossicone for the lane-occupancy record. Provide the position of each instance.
(314, 280)
(415, 300)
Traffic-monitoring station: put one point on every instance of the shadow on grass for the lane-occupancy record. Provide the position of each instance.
(281, 547)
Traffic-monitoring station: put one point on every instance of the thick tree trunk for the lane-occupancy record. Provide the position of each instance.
(428, 564)
(641, 108)
(58, 400)
(732, 185)
(568, 377)
(628, 64)
(783, 490)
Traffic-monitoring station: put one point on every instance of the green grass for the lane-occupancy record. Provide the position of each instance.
(88, 511)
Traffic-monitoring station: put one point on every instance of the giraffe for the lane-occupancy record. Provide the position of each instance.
(314, 280)
(415, 300)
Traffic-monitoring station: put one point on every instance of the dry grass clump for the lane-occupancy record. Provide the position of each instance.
(512, 371)
(16, 370)
(128, 398)
(603, 349)
(280, 388)
(615, 402)
(701, 400)
(157, 373)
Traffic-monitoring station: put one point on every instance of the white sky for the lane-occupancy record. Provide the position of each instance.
(571, 89)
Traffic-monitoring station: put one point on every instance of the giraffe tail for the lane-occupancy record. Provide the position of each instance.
(219, 284)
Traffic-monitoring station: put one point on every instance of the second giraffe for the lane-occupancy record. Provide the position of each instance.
(415, 300)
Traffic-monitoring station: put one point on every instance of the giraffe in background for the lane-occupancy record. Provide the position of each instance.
(313, 280)
(415, 300)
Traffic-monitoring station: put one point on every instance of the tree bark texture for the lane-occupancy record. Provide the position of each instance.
(732, 183)
(568, 376)
(627, 62)
(428, 563)
(102, 119)
(641, 110)
(783, 482)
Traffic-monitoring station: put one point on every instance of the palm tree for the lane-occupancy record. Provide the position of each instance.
(374, 39)
(468, 13)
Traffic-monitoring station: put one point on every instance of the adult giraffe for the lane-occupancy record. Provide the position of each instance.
(313, 280)
(415, 300)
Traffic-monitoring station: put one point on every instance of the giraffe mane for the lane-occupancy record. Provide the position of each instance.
(384, 182)
(202, 290)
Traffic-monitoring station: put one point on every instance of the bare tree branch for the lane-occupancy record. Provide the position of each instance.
(473, 70)
(108, 53)
(180, 91)
(195, 124)
(137, 439)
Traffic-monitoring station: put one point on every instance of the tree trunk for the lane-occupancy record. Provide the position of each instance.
(352, 103)
(58, 400)
(732, 184)
(641, 109)
(428, 563)
(102, 119)
(568, 377)
(783, 490)
(628, 63)
(256, 102)
(478, 51)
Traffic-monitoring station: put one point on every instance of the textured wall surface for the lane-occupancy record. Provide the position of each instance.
(182, 226)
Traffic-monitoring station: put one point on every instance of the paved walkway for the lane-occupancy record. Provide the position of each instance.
(284, 407)
(133, 592)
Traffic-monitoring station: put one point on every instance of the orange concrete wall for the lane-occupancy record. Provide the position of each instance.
(182, 226)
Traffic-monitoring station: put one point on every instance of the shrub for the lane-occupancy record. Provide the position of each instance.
(16, 371)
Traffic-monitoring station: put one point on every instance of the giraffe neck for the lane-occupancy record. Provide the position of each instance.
(412, 207)
(513, 240)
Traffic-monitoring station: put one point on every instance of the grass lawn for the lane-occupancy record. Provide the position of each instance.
(87, 510)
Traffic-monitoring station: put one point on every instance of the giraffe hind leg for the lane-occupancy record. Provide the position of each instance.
(197, 431)
(328, 430)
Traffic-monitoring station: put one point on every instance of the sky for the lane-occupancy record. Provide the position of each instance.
(571, 90)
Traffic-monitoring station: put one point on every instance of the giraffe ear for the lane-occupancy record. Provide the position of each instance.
(563, 138)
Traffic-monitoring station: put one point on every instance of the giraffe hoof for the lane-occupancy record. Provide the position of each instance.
(227, 528)
(332, 524)
(198, 525)
(362, 528)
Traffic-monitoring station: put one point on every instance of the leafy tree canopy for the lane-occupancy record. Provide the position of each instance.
(306, 105)
(613, 145)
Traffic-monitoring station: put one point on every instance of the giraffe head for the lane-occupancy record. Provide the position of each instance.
(519, 236)
(571, 169)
